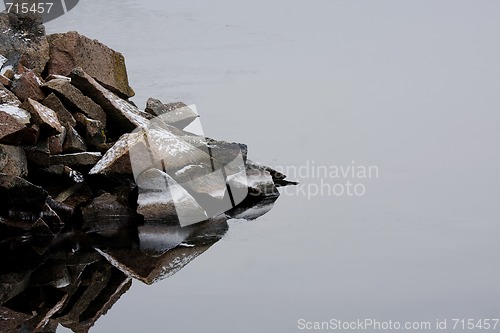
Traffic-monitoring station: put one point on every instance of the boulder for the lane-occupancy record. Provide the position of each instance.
(13, 161)
(64, 116)
(38, 154)
(162, 200)
(178, 114)
(56, 142)
(73, 142)
(44, 117)
(85, 159)
(14, 120)
(23, 42)
(7, 97)
(70, 50)
(124, 116)
(28, 85)
(19, 194)
(94, 131)
(75, 100)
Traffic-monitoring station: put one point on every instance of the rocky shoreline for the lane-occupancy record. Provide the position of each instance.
(84, 198)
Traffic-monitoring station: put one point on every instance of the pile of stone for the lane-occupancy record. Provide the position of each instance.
(83, 198)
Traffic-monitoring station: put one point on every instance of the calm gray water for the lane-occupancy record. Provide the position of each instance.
(410, 87)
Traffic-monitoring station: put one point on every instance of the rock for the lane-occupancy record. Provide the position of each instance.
(162, 200)
(44, 117)
(73, 143)
(94, 131)
(117, 159)
(70, 50)
(75, 196)
(13, 161)
(19, 194)
(31, 135)
(28, 85)
(52, 275)
(7, 97)
(145, 149)
(64, 116)
(106, 213)
(56, 142)
(85, 159)
(23, 42)
(38, 154)
(123, 116)
(177, 114)
(14, 121)
(75, 100)
(12, 284)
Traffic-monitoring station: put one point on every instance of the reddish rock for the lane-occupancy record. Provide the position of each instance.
(124, 116)
(70, 50)
(75, 100)
(7, 97)
(38, 154)
(14, 121)
(54, 103)
(28, 85)
(76, 159)
(73, 143)
(94, 131)
(44, 117)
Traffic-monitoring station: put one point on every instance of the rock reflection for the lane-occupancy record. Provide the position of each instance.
(75, 277)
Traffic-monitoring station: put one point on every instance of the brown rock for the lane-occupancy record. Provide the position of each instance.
(13, 161)
(14, 121)
(94, 131)
(19, 194)
(23, 41)
(31, 135)
(54, 103)
(76, 159)
(70, 50)
(7, 97)
(28, 85)
(38, 154)
(44, 117)
(56, 143)
(75, 100)
(74, 142)
(123, 115)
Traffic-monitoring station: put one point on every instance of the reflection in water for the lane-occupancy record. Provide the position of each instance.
(75, 277)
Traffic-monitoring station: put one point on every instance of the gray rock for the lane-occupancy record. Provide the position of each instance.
(178, 114)
(70, 50)
(85, 159)
(44, 117)
(162, 200)
(23, 42)
(13, 161)
(76, 100)
(123, 115)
